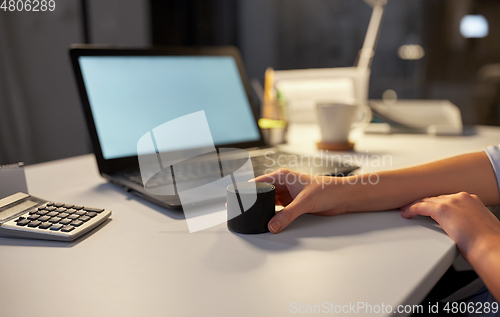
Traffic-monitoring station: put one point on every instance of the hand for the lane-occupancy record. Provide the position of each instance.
(463, 217)
(299, 194)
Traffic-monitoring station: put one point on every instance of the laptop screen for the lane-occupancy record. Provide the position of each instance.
(131, 95)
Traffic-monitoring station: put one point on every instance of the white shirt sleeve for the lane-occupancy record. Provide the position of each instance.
(493, 153)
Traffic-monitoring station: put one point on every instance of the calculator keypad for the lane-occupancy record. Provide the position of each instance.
(34, 224)
(58, 217)
(23, 222)
(76, 223)
(56, 227)
(33, 217)
(45, 225)
(98, 210)
(65, 221)
(55, 219)
(84, 218)
(44, 218)
(67, 228)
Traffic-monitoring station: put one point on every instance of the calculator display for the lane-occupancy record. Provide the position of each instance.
(17, 208)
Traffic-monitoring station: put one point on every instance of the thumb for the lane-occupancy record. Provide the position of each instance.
(288, 214)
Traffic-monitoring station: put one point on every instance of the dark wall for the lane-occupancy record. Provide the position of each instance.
(194, 22)
(41, 117)
(292, 34)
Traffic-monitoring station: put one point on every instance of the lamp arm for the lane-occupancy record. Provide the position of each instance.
(368, 51)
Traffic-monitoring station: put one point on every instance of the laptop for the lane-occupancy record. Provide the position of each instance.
(128, 92)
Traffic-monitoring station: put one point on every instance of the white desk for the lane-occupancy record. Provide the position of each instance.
(145, 263)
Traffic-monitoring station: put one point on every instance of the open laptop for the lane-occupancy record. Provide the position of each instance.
(127, 92)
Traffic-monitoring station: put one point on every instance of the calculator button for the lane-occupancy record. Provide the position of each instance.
(78, 207)
(76, 223)
(67, 228)
(51, 208)
(63, 215)
(33, 217)
(50, 203)
(44, 218)
(52, 214)
(80, 212)
(54, 219)
(98, 210)
(56, 227)
(23, 222)
(19, 219)
(65, 221)
(58, 204)
(34, 211)
(34, 224)
(69, 205)
(45, 225)
(91, 214)
(42, 212)
(60, 209)
(73, 217)
(70, 211)
(84, 218)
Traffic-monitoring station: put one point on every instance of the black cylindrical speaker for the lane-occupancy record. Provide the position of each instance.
(243, 218)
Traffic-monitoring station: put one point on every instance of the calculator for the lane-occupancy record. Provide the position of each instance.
(26, 216)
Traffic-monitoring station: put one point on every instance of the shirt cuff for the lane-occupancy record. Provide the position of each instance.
(493, 153)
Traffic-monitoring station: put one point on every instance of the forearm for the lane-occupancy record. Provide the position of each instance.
(471, 173)
(485, 259)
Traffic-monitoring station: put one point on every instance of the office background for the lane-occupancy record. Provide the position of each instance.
(41, 119)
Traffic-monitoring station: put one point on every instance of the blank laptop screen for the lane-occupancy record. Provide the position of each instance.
(131, 95)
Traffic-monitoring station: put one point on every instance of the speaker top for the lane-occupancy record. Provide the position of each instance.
(251, 188)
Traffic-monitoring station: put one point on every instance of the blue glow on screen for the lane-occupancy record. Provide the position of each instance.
(131, 95)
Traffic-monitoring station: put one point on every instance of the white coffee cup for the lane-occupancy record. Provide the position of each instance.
(337, 119)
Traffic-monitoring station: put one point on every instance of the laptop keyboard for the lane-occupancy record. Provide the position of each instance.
(210, 170)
